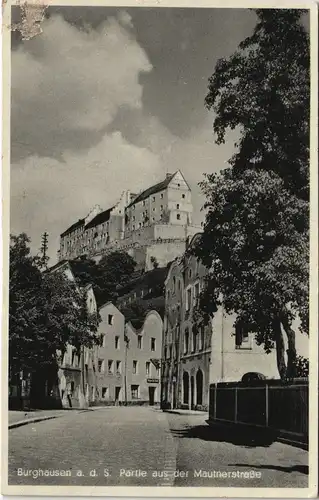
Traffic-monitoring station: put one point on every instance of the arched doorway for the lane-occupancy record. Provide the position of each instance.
(192, 392)
(199, 387)
(185, 388)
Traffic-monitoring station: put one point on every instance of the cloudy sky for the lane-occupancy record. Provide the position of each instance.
(109, 99)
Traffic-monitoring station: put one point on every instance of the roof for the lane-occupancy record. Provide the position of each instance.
(100, 218)
(152, 190)
(61, 263)
(74, 226)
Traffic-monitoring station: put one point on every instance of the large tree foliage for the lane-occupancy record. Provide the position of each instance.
(264, 90)
(107, 276)
(255, 239)
(46, 312)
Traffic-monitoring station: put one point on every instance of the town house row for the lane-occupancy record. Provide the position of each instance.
(195, 355)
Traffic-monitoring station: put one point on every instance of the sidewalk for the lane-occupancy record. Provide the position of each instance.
(188, 412)
(16, 418)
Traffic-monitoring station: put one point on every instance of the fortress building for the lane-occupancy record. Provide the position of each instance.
(153, 225)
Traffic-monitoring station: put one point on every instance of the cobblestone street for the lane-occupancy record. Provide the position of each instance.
(146, 447)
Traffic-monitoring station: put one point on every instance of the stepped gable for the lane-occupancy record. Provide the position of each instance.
(160, 186)
(100, 218)
(77, 224)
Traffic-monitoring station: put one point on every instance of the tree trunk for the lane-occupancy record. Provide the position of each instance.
(291, 351)
(280, 350)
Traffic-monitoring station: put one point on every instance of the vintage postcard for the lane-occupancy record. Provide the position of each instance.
(160, 249)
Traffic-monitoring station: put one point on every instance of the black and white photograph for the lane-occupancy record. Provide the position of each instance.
(158, 329)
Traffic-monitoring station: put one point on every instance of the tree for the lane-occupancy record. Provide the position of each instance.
(115, 270)
(255, 239)
(264, 90)
(108, 275)
(302, 367)
(46, 312)
(154, 262)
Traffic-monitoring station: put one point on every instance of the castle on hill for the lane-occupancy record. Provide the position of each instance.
(152, 226)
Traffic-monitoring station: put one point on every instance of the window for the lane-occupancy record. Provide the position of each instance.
(104, 392)
(153, 198)
(133, 226)
(190, 274)
(103, 336)
(143, 203)
(101, 365)
(110, 366)
(241, 337)
(201, 339)
(117, 342)
(174, 284)
(134, 367)
(139, 341)
(73, 358)
(147, 367)
(162, 195)
(154, 209)
(153, 218)
(178, 185)
(133, 217)
(72, 387)
(196, 292)
(134, 391)
(188, 298)
(177, 206)
(186, 340)
(178, 217)
(110, 319)
(153, 344)
(194, 341)
(162, 207)
(118, 367)
(183, 196)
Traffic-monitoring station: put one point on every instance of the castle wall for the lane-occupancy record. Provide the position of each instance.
(164, 253)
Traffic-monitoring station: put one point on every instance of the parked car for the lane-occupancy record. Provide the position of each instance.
(251, 377)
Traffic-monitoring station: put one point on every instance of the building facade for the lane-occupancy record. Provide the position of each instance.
(127, 364)
(196, 355)
(155, 224)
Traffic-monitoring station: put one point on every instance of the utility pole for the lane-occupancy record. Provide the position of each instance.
(44, 249)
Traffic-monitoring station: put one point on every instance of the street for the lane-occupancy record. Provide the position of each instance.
(142, 446)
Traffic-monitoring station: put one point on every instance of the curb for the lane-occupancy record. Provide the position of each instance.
(40, 419)
(176, 412)
(31, 421)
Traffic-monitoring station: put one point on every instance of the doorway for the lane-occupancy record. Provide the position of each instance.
(199, 387)
(185, 387)
(151, 395)
(117, 395)
(192, 392)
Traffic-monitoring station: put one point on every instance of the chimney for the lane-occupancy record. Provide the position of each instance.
(168, 175)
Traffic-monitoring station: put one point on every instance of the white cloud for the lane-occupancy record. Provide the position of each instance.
(66, 82)
(49, 195)
(66, 79)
